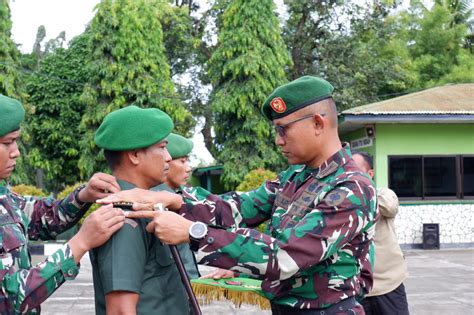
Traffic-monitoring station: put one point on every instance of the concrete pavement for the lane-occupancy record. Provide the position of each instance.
(440, 282)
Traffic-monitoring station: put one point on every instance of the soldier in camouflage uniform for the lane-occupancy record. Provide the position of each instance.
(317, 255)
(23, 286)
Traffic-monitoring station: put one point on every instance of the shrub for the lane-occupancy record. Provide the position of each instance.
(255, 178)
(28, 190)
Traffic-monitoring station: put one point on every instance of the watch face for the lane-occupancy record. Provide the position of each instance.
(198, 230)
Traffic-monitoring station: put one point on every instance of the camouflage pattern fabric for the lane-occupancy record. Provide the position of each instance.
(318, 249)
(25, 287)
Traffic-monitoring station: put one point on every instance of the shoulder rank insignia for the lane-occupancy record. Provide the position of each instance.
(124, 205)
(335, 197)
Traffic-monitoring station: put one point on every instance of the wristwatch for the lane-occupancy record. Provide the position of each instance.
(197, 232)
(75, 193)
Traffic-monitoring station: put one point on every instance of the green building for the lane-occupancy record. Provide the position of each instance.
(423, 148)
(209, 178)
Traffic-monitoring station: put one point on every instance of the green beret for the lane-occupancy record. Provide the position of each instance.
(178, 146)
(295, 95)
(12, 114)
(131, 128)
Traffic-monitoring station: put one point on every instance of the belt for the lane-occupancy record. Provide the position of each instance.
(343, 305)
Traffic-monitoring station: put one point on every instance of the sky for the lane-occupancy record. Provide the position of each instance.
(71, 16)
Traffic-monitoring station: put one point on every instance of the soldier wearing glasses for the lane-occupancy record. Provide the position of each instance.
(317, 255)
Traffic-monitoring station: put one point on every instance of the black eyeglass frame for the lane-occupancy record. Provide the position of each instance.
(280, 129)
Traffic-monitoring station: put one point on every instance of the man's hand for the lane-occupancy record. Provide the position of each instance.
(145, 199)
(99, 186)
(219, 274)
(169, 227)
(96, 230)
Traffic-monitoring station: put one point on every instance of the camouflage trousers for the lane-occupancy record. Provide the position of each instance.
(346, 307)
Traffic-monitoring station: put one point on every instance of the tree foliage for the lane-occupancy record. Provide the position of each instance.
(132, 52)
(10, 84)
(255, 178)
(127, 64)
(247, 65)
(55, 91)
(436, 39)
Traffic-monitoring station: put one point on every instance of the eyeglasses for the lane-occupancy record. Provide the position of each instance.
(280, 129)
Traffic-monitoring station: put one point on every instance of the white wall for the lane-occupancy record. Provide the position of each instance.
(456, 222)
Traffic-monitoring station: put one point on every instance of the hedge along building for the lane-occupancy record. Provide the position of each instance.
(423, 148)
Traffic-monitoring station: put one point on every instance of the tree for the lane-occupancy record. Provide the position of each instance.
(463, 72)
(127, 64)
(178, 37)
(360, 55)
(55, 90)
(10, 85)
(309, 24)
(248, 63)
(460, 11)
(436, 44)
(40, 35)
(9, 56)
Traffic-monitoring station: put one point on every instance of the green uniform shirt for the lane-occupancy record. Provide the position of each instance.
(187, 256)
(134, 260)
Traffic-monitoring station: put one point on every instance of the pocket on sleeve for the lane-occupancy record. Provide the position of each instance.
(11, 236)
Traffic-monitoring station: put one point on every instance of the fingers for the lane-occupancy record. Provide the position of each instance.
(219, 274)
(141, 214)
(103, 186)
(150, 228)
(104, 209)
(142, 206)
(115, 227)
(108, 199)
(116, 197)
(114, 220)
(111, 182)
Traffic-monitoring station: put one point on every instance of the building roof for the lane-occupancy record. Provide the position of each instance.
(457, 99)
(443, 104)
(213, 170)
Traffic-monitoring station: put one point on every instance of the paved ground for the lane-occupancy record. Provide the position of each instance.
(440, 282)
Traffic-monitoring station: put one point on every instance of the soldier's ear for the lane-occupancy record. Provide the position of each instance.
(371, 173)
(318, 124)
(133, 156)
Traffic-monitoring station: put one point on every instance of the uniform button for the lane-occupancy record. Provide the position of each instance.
(210, 240)
(70, 272)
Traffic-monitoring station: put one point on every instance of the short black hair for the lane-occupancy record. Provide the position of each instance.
(366, 156)
(113, 158)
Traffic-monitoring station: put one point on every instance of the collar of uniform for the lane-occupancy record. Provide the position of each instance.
(302, 168)
(338, 159)
(163, 187)
(125, 185)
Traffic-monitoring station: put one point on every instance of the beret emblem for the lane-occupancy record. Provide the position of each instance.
(278, 105)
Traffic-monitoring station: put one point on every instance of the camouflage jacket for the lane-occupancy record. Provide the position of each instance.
(25, 287)
(318, 248)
